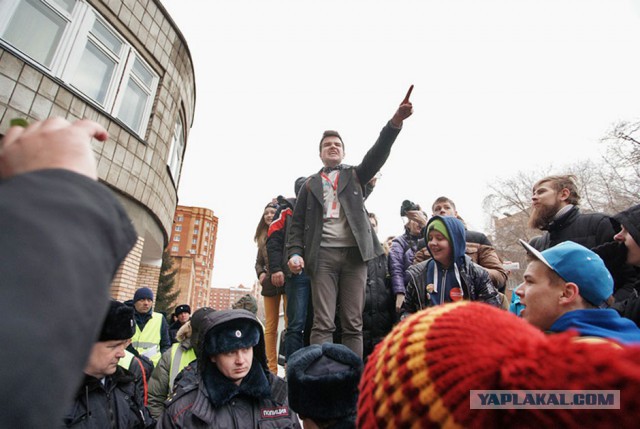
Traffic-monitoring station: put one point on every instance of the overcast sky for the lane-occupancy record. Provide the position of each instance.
(500, 86)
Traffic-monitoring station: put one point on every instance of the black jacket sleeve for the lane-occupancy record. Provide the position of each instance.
(63, 237)
(275, 241)
(165, 338)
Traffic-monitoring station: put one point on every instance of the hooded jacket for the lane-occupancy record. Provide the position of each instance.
(481, 252)
(463, 276)
(161, 381)
(259, 401)
(601, 322)
(630, 219)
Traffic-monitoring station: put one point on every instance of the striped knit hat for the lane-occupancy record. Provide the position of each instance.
(421, 374)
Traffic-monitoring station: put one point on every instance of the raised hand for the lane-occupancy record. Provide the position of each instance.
(52, 143)
(404, 110)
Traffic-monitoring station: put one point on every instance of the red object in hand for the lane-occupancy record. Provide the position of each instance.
(406, 98)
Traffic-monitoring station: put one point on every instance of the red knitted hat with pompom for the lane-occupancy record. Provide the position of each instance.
(421, 374)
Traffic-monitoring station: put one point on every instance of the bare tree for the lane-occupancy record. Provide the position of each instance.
(621, 166)
(608, 185)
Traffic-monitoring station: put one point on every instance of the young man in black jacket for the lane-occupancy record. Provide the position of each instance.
(330, 236)
(297, 286)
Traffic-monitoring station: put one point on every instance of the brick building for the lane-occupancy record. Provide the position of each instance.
(224, 298)
(193, 245)
(125, 65)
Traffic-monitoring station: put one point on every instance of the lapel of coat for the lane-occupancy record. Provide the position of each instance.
(315, 186)
(345, 178)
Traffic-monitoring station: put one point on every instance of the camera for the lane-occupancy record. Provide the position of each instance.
(408, 206)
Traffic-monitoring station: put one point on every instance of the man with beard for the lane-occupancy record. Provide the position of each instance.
(555, 211)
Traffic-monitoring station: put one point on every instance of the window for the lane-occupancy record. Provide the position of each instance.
(136, 102)
(178, 228)
(197, 221)
(196, 230)
(174, 248)
(176, 238)
(180, 218)
(177, 150)
(72, 42)
(194, 241)
(35, 27)
(102, 53)
(192, 251)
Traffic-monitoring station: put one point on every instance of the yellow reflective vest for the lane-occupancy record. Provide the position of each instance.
(179, 359)
(149, 337)
(125, 362)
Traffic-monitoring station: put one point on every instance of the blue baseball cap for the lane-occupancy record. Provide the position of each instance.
(579, 265)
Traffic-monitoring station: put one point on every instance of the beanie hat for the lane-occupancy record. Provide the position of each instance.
(439, 226)
(323, 381)
(184, 308)
(232, 335)
(119, 323)
(577, 264)
(197, 321)
(143, 293)
(423, 372)
(246, 302)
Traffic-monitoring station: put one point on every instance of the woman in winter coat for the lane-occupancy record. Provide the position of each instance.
(270, 293)
(403, 249)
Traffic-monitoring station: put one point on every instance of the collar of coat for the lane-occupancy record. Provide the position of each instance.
(221, 390)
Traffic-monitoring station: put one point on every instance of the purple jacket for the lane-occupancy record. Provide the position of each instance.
(401, 256)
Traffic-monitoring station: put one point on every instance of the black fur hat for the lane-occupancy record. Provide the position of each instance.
(119, 323)
(232, 335)
(184, 308)
(323, 381)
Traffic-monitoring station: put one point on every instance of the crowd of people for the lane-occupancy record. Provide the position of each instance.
(392, 334)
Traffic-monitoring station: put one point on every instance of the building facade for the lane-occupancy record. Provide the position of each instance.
(125, 65)
(224, 298)
(192, 245)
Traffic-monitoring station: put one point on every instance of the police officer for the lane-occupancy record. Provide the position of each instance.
(234, 388)
(108, 396)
